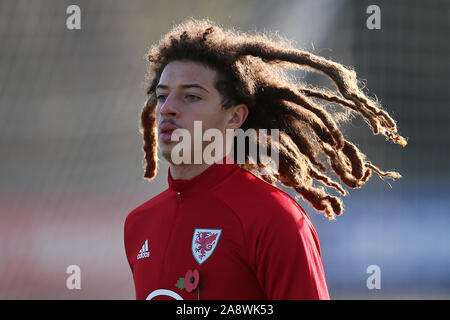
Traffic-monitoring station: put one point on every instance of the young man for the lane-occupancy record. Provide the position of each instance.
(224, 230)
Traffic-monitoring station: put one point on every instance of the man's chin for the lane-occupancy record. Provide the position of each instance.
(166, 154)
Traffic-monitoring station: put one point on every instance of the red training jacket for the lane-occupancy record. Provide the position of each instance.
(246, 238)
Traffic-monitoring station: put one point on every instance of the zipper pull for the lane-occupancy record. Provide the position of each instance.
(178, 195)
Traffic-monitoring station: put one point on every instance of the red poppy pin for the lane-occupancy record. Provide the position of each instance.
(190, 282)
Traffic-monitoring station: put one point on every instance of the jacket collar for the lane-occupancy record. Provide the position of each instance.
(210, 177)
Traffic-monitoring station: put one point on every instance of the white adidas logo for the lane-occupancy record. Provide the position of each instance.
(144, 253)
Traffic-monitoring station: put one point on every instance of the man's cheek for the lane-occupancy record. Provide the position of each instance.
(157, 114)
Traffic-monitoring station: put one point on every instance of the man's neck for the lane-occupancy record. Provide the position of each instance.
(187, 172)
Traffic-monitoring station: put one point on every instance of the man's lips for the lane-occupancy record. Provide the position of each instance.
(165, 131)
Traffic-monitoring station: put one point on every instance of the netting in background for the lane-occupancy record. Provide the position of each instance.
(407, 62)
(400, 226)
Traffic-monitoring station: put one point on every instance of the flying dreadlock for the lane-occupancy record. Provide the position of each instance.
(251, 70)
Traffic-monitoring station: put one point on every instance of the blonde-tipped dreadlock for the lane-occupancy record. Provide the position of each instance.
(250, 70)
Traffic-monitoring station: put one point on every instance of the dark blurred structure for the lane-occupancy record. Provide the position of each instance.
(403, 228)
(71, 158)
(408, 66)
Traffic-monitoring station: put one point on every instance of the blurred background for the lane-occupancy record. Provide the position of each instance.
(71, 157)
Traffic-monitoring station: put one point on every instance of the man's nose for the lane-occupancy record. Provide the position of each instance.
(169, 109)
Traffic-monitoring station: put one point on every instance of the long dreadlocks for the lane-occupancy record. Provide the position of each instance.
(251, 69)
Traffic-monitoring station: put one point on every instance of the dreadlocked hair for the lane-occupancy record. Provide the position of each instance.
(252, 70)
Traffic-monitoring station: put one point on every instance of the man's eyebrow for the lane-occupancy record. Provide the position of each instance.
(185, 86)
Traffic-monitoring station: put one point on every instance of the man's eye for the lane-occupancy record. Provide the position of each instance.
(191, 97)
(161, 97)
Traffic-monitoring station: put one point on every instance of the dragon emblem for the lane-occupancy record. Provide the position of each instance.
(204, 241)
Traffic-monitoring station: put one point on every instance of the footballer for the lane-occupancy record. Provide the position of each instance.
(224, 230)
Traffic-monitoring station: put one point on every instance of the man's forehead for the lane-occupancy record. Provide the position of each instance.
(179, 73)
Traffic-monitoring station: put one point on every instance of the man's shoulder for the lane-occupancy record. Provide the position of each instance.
(265, 210)
(250, 195)
(147, 207)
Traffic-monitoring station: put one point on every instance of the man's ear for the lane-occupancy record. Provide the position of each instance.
(237, 116)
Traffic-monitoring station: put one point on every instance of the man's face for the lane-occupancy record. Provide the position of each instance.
(186, 93)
